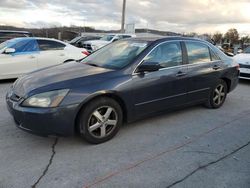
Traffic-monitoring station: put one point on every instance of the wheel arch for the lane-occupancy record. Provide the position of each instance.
(228, 82)
(109, 94)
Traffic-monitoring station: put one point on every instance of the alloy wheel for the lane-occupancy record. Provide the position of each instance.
(219, 94)
(102, 122)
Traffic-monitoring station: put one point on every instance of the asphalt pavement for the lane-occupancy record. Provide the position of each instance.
(192, 147)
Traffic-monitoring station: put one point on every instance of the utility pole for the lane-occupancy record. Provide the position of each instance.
(123, 16)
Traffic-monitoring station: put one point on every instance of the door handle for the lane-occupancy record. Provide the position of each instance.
(32, 57)
(216, 67)
(180, 74)
(62, 54)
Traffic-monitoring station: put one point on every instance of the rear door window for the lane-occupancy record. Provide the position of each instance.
(46, 45)
(197, 52)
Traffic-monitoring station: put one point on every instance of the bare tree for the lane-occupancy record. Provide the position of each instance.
(191, 34)
(232, 36)
(245, 39)
(217, 37)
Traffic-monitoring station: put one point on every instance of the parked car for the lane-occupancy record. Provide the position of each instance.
(79, 41)
(123, 81)
(230, 54)
(244, 61)
(228, 48)
(22, 55)
(8, 34)
(94, 45)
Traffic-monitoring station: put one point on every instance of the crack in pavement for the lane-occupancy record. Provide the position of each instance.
(208, 164)
(48, 165)
(200, 152)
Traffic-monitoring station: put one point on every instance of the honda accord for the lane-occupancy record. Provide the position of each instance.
(121, 82)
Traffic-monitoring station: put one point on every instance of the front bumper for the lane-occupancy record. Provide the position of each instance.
(88, 47)
(245, 75)
(44, 121)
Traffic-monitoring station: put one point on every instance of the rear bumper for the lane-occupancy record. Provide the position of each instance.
(234, 83)
(44, 121)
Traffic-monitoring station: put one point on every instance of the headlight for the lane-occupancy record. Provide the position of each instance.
(47, 99)
(94, 47)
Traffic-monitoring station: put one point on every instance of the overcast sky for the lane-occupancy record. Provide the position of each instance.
(202, 16)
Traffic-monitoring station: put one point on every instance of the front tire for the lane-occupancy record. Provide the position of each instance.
(100, 120)
(217, 95)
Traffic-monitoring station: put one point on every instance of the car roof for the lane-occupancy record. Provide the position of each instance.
(36, 38)
(120, 34)
(165, 38)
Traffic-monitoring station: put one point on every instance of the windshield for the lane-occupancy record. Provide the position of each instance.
(14, 43)
(247, 50)
(116, 55)
(107, 37)
(75, 39)
(3, 45)
(7, 44)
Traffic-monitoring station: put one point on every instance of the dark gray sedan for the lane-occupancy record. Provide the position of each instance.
(124, 81)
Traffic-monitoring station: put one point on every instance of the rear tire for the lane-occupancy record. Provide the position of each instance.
(100, 120)
(217, 95)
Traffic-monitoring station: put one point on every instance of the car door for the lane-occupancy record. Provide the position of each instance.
(22, 61)
(204, 67)
(51, 53)
(165, 88)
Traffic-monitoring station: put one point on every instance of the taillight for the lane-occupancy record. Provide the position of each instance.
(237, 66)
(85, 53)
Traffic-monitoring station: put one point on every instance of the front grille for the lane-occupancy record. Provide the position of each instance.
(244, 66)
(244, 75)
(87, 47)
(15, 97)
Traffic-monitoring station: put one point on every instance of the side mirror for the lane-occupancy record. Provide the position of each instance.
(9, 50)
(148, 67)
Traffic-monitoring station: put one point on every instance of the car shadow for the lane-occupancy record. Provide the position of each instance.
(162, 115)
(244, 81)
(77, 141)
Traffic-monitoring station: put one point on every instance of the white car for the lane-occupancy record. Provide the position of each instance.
(244, 61)
(93, 45)
(23, 55)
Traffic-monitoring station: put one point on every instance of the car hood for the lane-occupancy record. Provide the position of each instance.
(97, 42)
(242, 58)
(57, 77)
